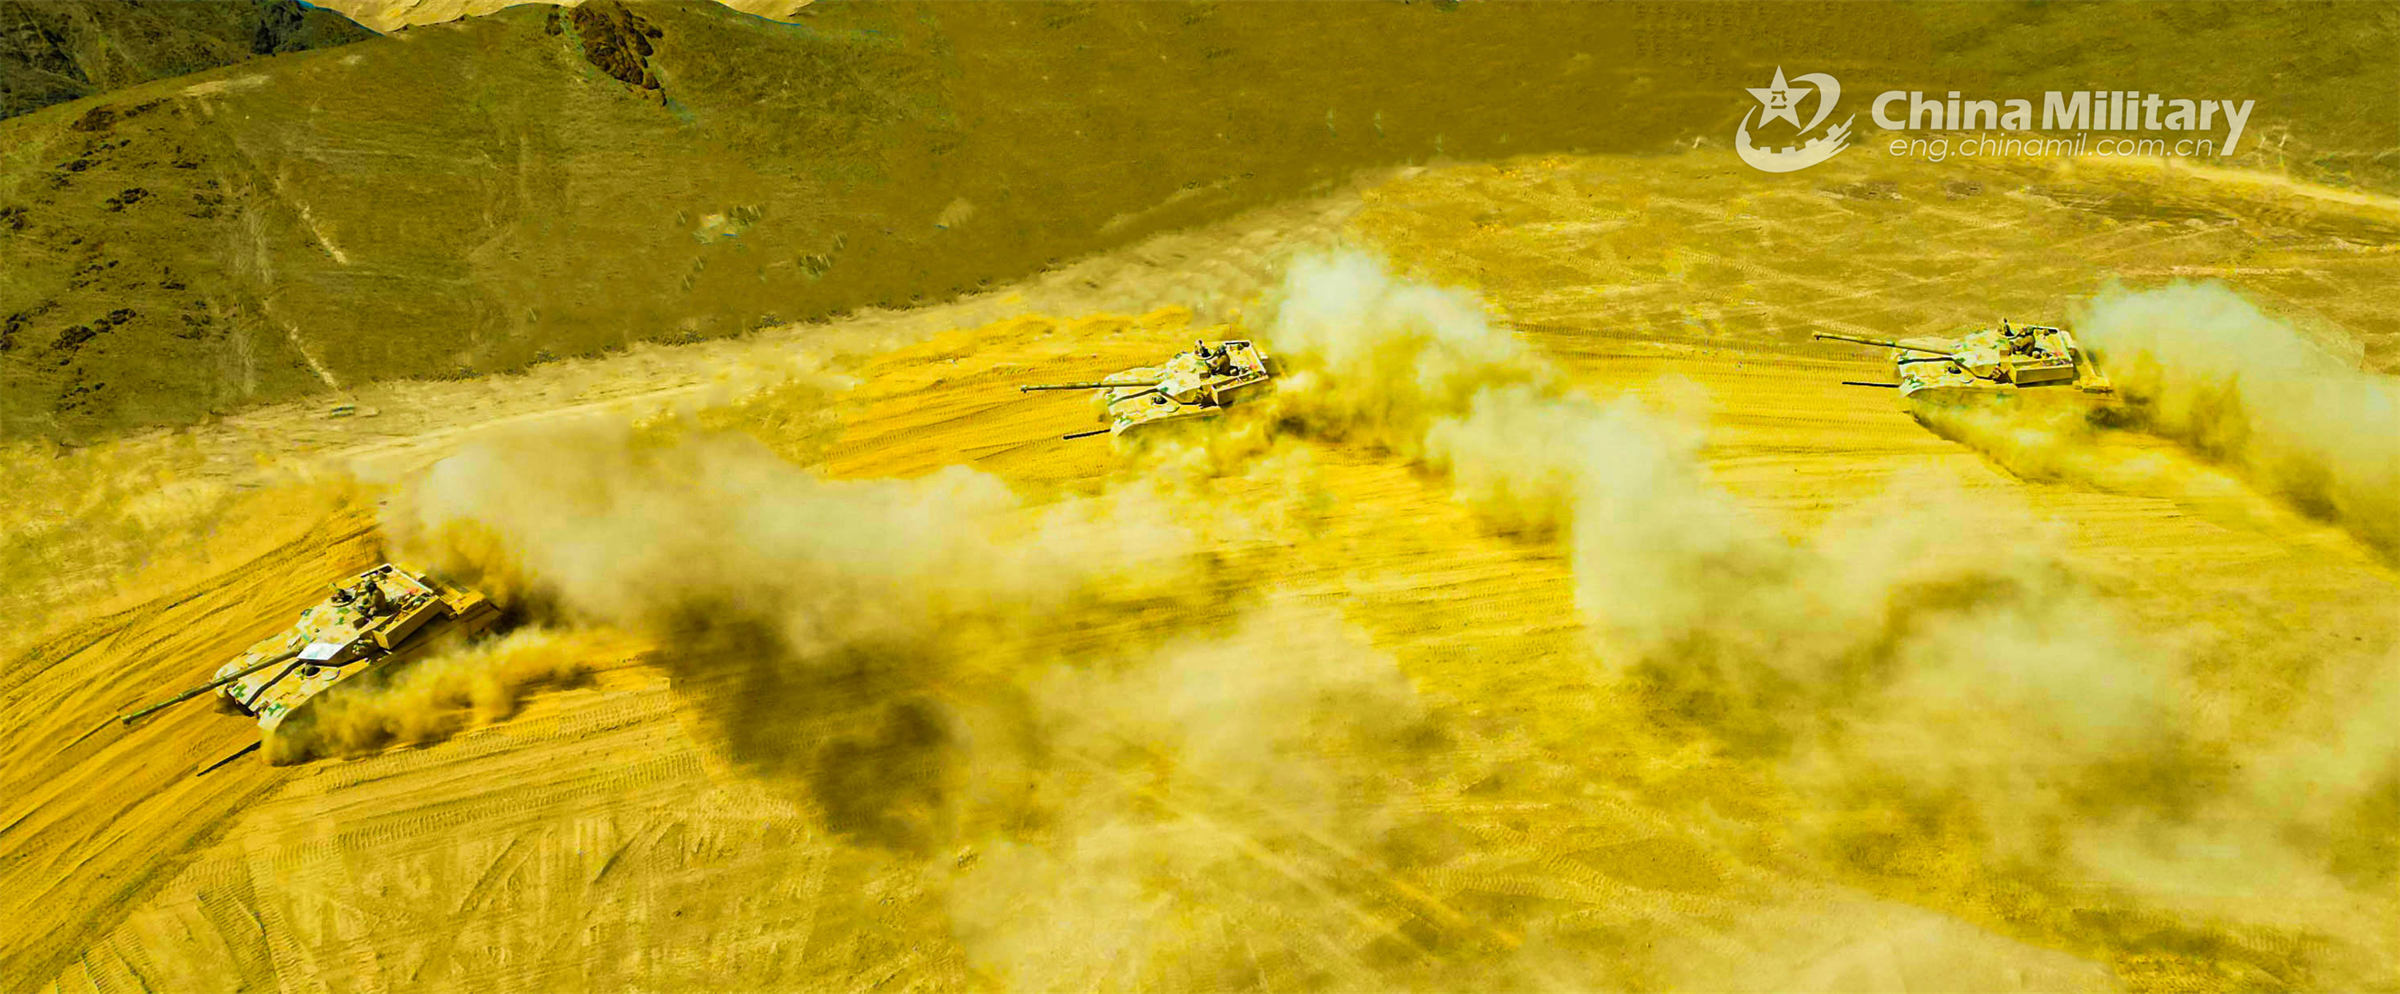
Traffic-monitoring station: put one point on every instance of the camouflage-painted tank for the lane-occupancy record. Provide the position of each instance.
(1191, 386)
(373, 621)
(2006, 357)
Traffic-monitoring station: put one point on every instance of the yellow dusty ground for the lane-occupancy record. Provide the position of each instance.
(1552, 828)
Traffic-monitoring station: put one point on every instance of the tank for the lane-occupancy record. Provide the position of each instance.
(1192, 386)
(1998, 359)
(371, 622)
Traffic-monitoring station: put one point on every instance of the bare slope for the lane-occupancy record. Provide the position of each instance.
(540, 182)
(482, 194)
(53, 52)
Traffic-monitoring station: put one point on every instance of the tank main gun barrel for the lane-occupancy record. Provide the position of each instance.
(1096, 385)
(133, 716)
(1825, 336)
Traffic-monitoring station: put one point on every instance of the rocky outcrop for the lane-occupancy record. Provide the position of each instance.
(615, 39)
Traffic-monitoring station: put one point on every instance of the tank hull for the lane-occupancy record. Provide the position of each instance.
(1996, 361)
(1192, 387)
(374, 623)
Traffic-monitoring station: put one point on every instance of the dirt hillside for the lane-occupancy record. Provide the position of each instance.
(543, 182)
(55, 52)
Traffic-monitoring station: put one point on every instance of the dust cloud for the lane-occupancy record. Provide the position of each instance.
(2059, 436)
(1070, 694)
(2201, 367)
(1226, 810)
(825, 627)
(1923, 686)
(1127, 760)
(2201, 364)
(458, 688)
(601, 523)
(1113, 762)
(1776, 639)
